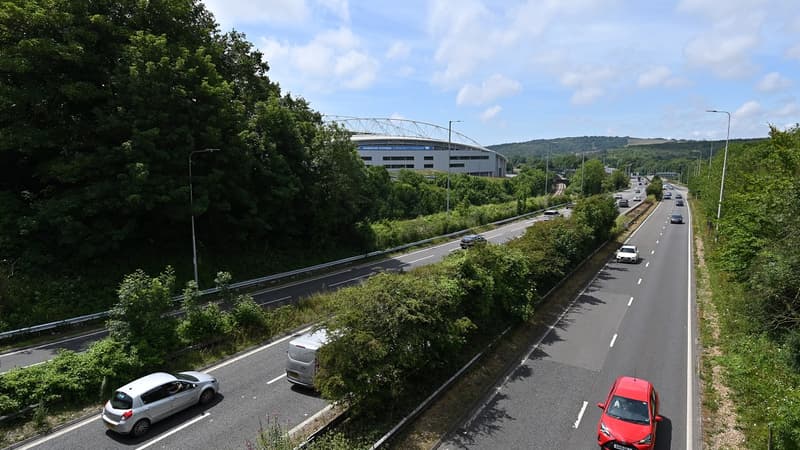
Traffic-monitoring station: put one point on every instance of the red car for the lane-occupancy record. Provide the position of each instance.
(630, 416)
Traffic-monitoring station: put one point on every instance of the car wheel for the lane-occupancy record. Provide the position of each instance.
(140, 428)
(206, 396)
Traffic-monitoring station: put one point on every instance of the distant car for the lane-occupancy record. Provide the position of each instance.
(676, 218)
(617, 196)
(678, 195)
(637, 198)
(472, 239)
(630, 418)
(638, 191)
(623, 203)
(145, 401)
(551, 213)
(627, 253)
(667, 195)
(678, 202)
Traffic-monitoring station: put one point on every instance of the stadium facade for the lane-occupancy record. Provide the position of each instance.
(404, 144)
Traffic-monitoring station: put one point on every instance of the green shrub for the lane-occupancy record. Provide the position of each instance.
(204, 325)
(249, 317)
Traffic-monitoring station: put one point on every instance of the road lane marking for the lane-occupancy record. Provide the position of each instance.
(60, 433)
(420, 259)
(640, 281)
(613, 339)
(652, 252)
(25, 350)
(580, 415)
(630, 301)
(345, 281)
(254, 351)
(647, 264)
(689, 357)
(276, 301)
(196, 419)
(658, 241)
(276, 378)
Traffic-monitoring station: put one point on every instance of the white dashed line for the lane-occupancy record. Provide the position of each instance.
(345, 281)
(613, 339)
(640, 281)
(420, 259)
(580, 415)
(196, 419)
(647, 264)
(652, 252)
(630, 302)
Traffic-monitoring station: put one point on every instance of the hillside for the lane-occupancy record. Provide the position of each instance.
(540, 147)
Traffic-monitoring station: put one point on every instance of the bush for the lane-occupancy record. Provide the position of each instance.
(249, 317)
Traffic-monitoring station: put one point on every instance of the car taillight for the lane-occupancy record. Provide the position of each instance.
(127, 414)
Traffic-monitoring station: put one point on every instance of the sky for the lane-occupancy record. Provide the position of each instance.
(513, 71)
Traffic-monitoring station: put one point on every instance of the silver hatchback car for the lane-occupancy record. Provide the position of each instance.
(143, 402)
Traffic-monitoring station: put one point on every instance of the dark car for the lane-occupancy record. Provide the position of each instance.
(679, 202)
(676, 218)
(472, 239)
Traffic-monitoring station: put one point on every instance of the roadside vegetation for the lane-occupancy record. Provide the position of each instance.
(754, 287)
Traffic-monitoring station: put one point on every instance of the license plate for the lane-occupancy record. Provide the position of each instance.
(292, 374)
(621, 447)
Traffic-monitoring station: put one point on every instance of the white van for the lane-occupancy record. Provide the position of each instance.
(301, 357)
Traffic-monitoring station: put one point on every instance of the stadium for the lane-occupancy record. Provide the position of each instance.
(407, 144)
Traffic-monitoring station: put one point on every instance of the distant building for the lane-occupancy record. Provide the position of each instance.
(390, 144)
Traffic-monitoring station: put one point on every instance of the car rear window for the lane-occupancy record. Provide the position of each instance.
(121, 400)
(302, 354)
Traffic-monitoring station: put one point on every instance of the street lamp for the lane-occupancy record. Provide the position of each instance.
(191, 208)
(724, 165)
(449, 135)
(546, 170)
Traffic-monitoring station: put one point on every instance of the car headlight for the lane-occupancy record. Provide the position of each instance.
(604, 429)
(648, 439)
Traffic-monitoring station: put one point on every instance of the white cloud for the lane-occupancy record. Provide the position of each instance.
(492, 88)
(332, 59)
(773, 82)
(727, 55)
(490, 113)
(654, 77)
(397, 116)
(789, 109)
(398, 50)
(588, 83)
(230, 13)
(748, 110)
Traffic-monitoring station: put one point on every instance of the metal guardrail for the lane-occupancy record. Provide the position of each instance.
(266, 279)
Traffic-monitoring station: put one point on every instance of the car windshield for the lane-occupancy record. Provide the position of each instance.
(627, 250)
(629, 410)
(677, 216)
(121, 400)
(186, 377)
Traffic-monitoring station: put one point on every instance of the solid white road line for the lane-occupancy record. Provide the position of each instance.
(613, 339)
(25, 350)
(580, 415)
(276, 378)
(254, 351)
(60, 433)
(276, 301)
(420, 259)
(164, 436)
(689, 341)
(630, 301)
(345, 281)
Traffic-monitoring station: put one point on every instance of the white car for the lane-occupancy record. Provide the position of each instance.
(637, 198)
(628, 253)
(143, 402)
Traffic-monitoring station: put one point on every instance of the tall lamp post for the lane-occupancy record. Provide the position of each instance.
(191, 208)
(724, 166)
(546, 170)
(449, 135)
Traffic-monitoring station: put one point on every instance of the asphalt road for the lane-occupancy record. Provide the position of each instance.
(253, 386)
(632, 319)
(282, 294)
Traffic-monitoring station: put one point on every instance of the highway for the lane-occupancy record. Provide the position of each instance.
(253, 386)
(285, 293)
(632, 319)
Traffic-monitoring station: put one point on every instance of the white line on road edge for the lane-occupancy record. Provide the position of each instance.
(420, 259)
(309, 420)
(580, 415)
(630, 301)
(196, 419)
(24, 350)
(254, 351)
(689, 357)
(276, 378)
(276, 301)
(345, 281)
(60, 433)
(613, 339)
